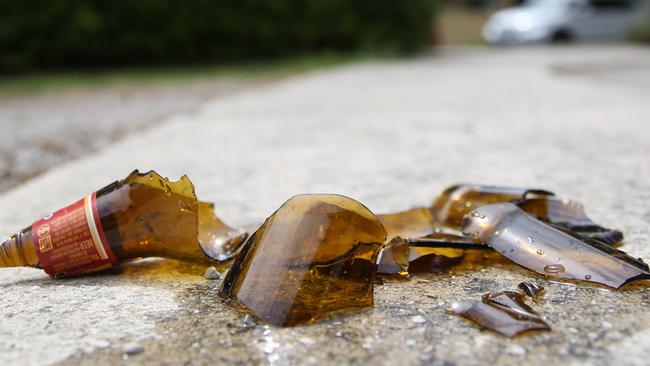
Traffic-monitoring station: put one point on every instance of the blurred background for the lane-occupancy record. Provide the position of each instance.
(509, 22)
(77, 75)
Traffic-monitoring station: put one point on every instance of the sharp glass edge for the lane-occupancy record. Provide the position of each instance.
(551, 252)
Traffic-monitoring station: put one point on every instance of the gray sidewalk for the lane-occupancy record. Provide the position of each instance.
(391, 135)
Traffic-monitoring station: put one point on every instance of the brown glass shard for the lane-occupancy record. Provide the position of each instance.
(314, 256)
(433, 253)
(451, 206)
(413, 223)
(571, 217)
(147, 215)
(531, 288)
(394, 258)
(218, 241)
(503, 312)
(549, 251)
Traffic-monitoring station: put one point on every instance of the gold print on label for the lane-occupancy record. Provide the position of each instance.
(45, 244)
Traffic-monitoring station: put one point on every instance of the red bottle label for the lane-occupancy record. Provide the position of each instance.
(71, 241)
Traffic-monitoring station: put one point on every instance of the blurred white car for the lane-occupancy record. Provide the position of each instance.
(536, 21)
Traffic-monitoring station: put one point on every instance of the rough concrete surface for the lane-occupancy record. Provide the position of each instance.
(392, 135)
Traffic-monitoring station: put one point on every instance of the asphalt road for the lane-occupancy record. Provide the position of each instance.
(39, 131)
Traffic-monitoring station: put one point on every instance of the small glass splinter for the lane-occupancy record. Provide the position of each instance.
(503, 312)
(531, 288)
(314, 256)
(549, 251)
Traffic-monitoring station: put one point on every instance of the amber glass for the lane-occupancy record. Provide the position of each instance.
(455, 202)
(503, 312)
(146, 215)
(18, 250)
(218, 241)
(549, 251)
(314, 256)
(413, 223)
(435, 252)
(571, 217)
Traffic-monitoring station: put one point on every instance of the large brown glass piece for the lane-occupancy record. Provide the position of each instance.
(314, 256)
(503, 312)
(549, 251)
(451, 206)
(145, 215)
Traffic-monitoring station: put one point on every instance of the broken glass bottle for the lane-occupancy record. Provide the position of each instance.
(143, 215)
(316, 255)
(503, 312)
(549, 251)
(451, 206)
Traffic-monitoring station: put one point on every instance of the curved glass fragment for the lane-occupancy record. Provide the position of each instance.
(531, 288)
(503, 312)
(455, 202)
(218, 241)
(569, 216)
(550, 251)
(314, 256)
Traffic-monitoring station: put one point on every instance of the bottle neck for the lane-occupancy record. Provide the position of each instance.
(18, 250)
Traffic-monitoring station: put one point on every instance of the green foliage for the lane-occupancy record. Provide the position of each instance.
(45, 34)
(641, 31)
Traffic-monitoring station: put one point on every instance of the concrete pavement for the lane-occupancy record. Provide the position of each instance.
(390, 134)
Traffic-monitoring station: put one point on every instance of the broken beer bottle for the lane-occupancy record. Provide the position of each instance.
(143, 215)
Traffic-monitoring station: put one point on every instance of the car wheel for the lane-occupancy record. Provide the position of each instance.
(561, 36)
